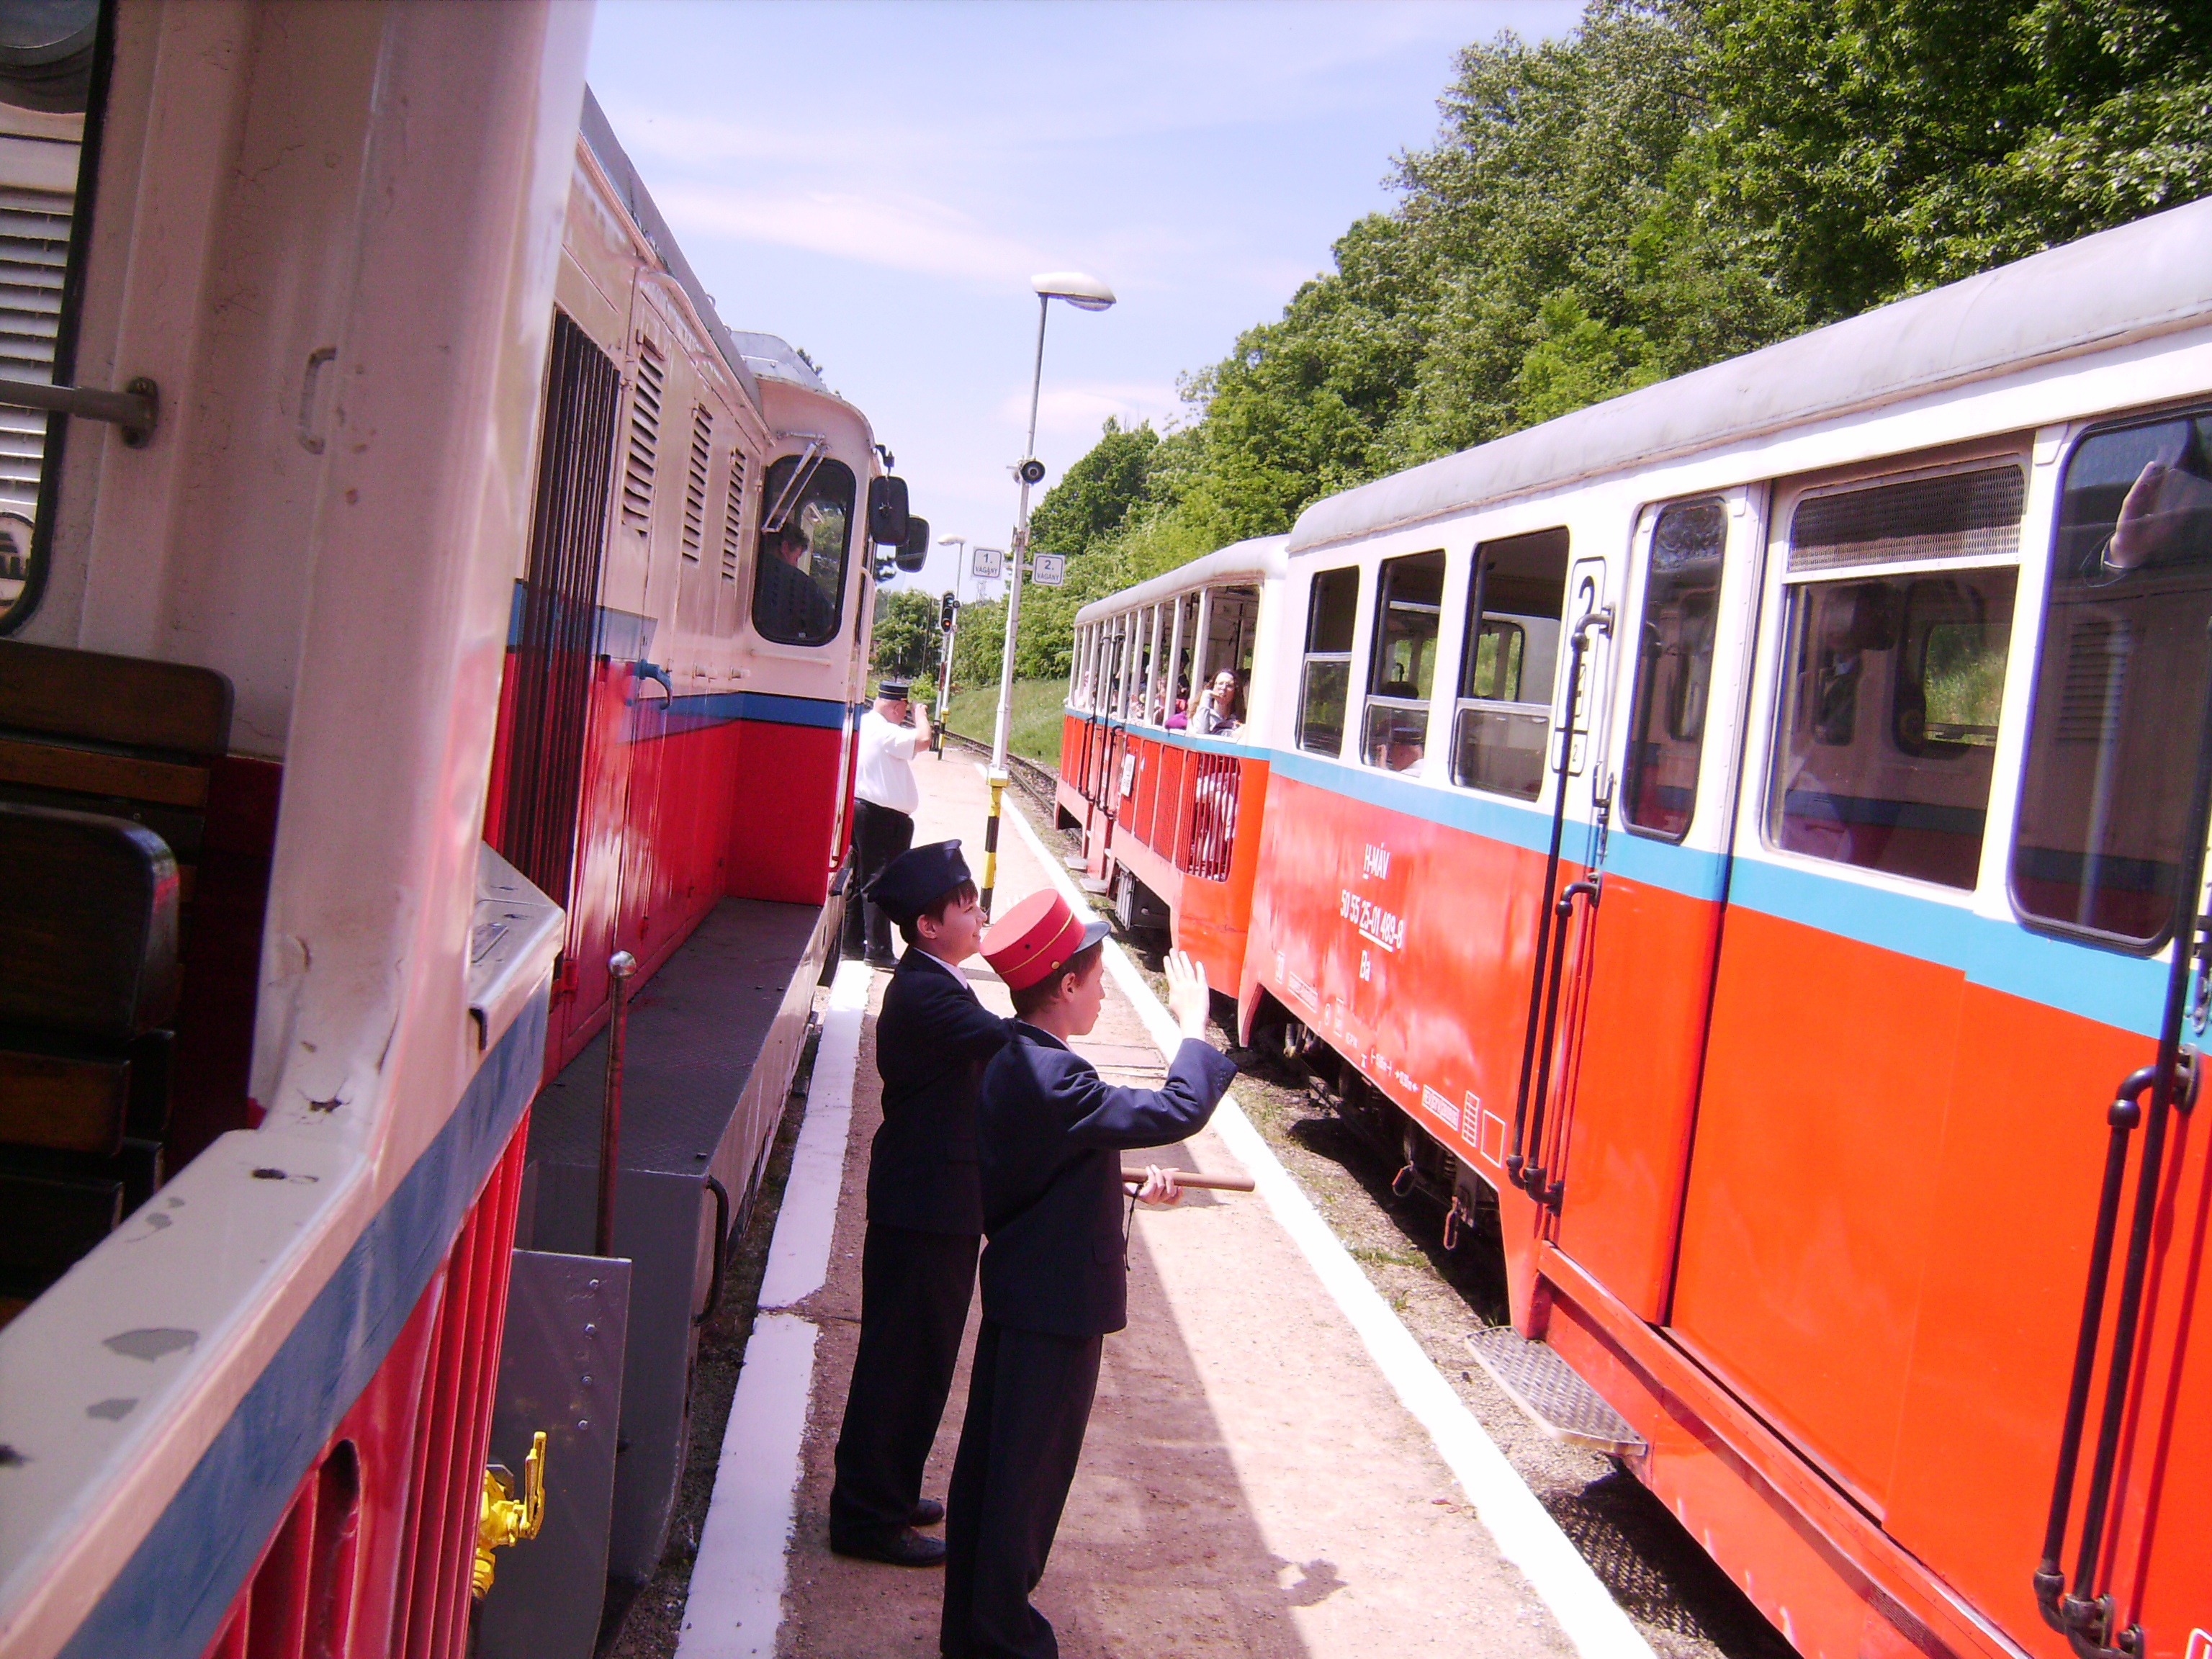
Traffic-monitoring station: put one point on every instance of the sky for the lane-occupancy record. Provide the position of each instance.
(878, 181)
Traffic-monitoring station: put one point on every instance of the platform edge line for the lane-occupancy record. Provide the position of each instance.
(733, 1608)
(799, 1256)
(1523, 1530)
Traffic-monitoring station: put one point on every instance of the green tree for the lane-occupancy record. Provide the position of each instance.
(906, 637)
(1673, 182)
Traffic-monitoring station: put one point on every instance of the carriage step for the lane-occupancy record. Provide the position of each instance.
(1075, 861)
(1553, 1393)
(1094, 886)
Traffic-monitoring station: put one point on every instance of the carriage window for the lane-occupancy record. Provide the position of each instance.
(1504, 721)
(799, 582)
(1889, 709)
(1324, 688)
(1404, 661)
(52, 90)
(2113, 737)
(1675, 668)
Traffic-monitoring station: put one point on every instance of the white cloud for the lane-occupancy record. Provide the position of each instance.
(1077, 410)
(904, 233)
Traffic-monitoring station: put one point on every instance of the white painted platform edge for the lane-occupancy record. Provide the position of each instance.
(735, 1605)
(1525, 1532)
(799, 1256)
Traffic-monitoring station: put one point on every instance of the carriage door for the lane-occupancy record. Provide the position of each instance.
(1644, 952)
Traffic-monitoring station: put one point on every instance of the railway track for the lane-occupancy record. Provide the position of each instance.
(1040, 783)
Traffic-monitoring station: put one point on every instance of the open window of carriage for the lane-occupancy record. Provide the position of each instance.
(806, 532)
(2113, 737)
(1673, 643)
(1401, 668)
(1324, 681)
(1501, 729)
(1227, 621)
(53, 89)
(1897, 609)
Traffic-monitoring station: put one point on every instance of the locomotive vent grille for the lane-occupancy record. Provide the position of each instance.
(695, 485)
(34, 239)
(733, 515)
(644, 437)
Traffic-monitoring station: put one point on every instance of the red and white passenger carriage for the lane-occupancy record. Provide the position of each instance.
(1738, 830)
(403, 645)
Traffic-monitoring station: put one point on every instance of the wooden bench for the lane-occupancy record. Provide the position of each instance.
(106, 770)
(88, 976)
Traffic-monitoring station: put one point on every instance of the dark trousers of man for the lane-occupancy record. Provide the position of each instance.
(880, 834)
(914, 1289)
(1028, 1402)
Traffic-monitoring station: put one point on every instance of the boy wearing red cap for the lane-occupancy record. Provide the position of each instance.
(925, 1211)
(1055, 1268)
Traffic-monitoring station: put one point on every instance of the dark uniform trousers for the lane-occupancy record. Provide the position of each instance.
(880, 834)
(1054, 1281)
(1028, 1401)
(915, 1288)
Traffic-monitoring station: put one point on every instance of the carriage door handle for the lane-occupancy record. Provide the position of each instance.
(1533, 1177)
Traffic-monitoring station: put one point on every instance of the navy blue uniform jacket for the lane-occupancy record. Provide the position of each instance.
(933, 1041)
(1053, 1132)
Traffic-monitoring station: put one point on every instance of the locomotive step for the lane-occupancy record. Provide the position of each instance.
(1553, 1393)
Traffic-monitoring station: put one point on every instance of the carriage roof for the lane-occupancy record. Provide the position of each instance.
(2139, 280)
(1254, 560)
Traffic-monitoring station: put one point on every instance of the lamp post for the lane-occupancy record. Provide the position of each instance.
(1085, 293)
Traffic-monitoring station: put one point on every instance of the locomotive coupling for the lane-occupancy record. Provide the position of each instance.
(503, 1519)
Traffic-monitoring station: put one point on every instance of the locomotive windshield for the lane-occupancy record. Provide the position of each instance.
(799, 579)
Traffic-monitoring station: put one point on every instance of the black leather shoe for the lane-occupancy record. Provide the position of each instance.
(881, 959)
(904, 1549)
(927, 1512)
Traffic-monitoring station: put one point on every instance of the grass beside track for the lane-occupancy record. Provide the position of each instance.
(1036, 721)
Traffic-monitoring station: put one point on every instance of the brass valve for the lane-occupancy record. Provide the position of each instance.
(503, 1518)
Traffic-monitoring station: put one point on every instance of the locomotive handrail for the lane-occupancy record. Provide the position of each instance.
(1534, 1181)
(2085, 1617)
(1601, 622)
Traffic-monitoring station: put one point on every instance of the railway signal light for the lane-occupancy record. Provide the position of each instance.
(947, 609)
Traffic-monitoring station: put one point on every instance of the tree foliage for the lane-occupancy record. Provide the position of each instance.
(906, 636)
(1675, 182)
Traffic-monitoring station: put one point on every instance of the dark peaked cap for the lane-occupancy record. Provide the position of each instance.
(892, 691)
(917, 878)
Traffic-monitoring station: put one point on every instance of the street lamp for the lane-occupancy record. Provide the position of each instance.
(1085, 293)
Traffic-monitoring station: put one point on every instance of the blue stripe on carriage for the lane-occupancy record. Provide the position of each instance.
(169, 1599)
(654, 717)
(2109, 986)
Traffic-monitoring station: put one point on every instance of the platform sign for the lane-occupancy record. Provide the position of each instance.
(989, 564)
(1049, 569)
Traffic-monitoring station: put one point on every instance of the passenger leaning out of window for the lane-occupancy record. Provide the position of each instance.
(1218, 708)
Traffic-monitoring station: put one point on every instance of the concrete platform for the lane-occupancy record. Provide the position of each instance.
(1268, 1471)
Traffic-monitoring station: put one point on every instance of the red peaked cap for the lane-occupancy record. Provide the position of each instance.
(1034, 940)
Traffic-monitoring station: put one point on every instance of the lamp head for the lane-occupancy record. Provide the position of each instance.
(1083, 293)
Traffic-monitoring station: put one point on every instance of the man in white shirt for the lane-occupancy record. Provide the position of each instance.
(884, 795)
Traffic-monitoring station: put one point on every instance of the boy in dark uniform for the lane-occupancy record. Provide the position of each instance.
(1055, 1274)
(925, 1211)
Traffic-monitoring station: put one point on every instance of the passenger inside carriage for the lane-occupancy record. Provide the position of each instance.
(1219, 712)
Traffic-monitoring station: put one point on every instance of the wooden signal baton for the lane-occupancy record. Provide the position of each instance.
(1191, 1178)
